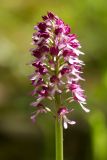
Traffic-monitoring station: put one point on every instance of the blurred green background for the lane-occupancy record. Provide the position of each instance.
(19, 138)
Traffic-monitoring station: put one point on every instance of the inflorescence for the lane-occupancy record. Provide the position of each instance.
(57, 67)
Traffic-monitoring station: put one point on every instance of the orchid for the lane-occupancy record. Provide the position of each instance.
(62, 112)
(57, 68)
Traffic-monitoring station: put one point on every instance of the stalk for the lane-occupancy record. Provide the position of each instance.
(58, 132)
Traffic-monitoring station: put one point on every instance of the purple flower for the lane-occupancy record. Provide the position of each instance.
(67, 29)
(62, 112)
(78, 94)
(51, 15)
(42, 26)
(58, 30)
(57, 67)
(40, 109)
(69, 53)
(54, 51)
(43, 92)
(44, 49)
(64, 70)
(36, 53)
(54, 79)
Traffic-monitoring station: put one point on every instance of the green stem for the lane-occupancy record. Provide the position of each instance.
(58, 132)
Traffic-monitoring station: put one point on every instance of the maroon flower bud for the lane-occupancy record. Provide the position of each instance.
(44, 35)
(65, 53)
(51, 15)
(36, 64)
(54, 51)
(42, 70)
(64, 71)
(67, 29)
(74, 45)
(62, 111)
(72, 36)
(39, 82)
(54, 79)
(42, 26)
(58, 31)
(35, 41)
(69, 53)
(44, 18)
(44, 49)
(41, 43)
(36, 53)
(33, 81)
(43, 91)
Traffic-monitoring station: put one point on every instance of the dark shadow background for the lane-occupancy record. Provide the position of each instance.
(19, 138)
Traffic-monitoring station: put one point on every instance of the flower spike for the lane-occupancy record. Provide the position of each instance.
(57, 67)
